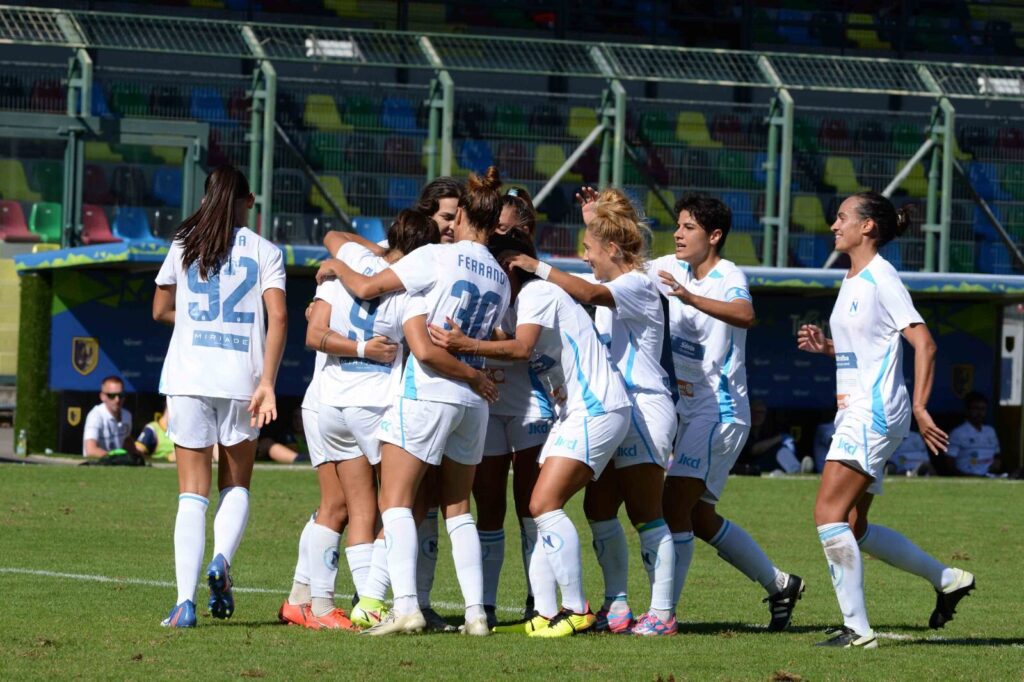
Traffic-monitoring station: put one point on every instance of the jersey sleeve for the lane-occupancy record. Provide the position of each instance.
(271, 268)
(631, 296)
(536, 306)
(736, 286)
(416, 270)
(894, 299)
(325, 291)
(168, 274)
(415, 305)
(654, 267)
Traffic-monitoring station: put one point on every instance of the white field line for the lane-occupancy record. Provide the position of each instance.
(167, 584)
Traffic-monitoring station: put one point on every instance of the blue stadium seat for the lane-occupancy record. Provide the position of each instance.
(402, 193)
(994, 259)
(131, 224)
(984, 177)
(397, 114)
(892, 253)
(370, 228)
(760, 175)
(167, 186)
(476, 155)
(742, 208)
(208, 105)
(982, 227)
(809, 250)
(795, 27)
(99, 104)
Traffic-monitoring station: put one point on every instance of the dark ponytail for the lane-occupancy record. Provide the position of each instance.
(411, 230)
(481, 202)
(522, 204)
(207, 235)
(890, 221)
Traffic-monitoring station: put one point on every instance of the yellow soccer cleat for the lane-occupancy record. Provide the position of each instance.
(368, 612)
(566, 624)
(538, 622)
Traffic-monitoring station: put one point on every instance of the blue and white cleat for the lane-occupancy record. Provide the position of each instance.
(181, 616)
(222, 603)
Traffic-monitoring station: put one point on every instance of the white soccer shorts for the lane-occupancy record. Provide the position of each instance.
(349, 432)
(652, 430)
(197, 422)
(430, 430)
(311, 430)
(857, 446)
(587, 439)
(708, 450)
(507, 434)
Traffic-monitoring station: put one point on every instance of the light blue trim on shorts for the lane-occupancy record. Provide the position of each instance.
(401, 421)
(639, 431)
(586, 440)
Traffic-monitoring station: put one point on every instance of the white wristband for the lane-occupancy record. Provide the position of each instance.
(361, 349)
(543, 270)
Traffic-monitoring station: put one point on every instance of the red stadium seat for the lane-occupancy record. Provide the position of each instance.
(13, 227)
(96, 227)
(96, 190)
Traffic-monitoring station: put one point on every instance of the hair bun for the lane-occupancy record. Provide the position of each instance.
(490, 181)
(903, 216)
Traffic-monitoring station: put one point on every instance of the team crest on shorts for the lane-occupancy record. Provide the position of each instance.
(85, 353)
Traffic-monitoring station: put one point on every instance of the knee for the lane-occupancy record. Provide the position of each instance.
(541, 504)
(333, 513)
(706, 528)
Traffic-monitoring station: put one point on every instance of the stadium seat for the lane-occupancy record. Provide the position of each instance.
(366, 191)
(361, 112)
(240, 105)
(656, 127)
(290, 228)
(321, 113)
(12, 224)
(128, 184)
(46, 221)
(402, 193)
(839, 173)
(332, 185)
(984, 179)
(692, 128)
(861, 32)
(582, 120)
(805, 137)
(807, 212)
(892, 253)
(514, 161)
(13, 183)
(99, 104)
(974, 139)
(165, 222)
(982, 226)
(741, 206)
(548, 120)
(208, 105)
(915, 184)
(1014, 221)
(758, 170)
(166, 101)
(101, 151)
(870, 134)
(48, 178)
(728, 129)
(363, 153)
(96, 227)
(794, 27)
(995, 259)
(810, 250)
(48, 95)
(323, 151)
(128, 100)
(290, 190)
(876, 171)
(833, 135)
(12, 92)
(167, 186)
(1013, 180)
(1010, 142)
(740, 249)
(397, 114)
(476, 155)
(95, 189)
(401, 156)
(733, 170)
(132, 225)
(510, 121)
(657, 212)
(662, 242)
(961, 256)
(171, 156)
(370, 228)
(548, 158)
(907, 137)
(695, 167)
(555, 206)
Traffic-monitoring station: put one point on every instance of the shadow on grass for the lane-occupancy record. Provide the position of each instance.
(721, 628)
(939, 640)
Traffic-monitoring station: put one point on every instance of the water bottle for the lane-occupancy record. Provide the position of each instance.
(21, 449)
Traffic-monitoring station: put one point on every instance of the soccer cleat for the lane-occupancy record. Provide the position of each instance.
(948, 597)
(368, 612)
(395, 624)
(294, 614)
(847, 638)
(650, 625)
(492, 617)
(334, 620)
(615, 623)
(434, 621)
(538, 622)
(183, 615)
(476, 628)
(566, 624)
(782, 603)
(222, 603)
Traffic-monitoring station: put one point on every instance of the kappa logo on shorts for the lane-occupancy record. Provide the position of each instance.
(552, 541)
(846, 446)
(538, 428)
(385, 426)
(561, 441)
(692, 462)
(626, 452)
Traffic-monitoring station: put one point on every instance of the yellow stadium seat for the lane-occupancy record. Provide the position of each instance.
(321, 113)
(207, 4)
(663, 243)
(582, 120)
(655, 210)
(739, 248)
(170, 155)
(808, 214)
(548, 158)
(839, 173)
(346, 8)
(10, 299)
(332, 185)
(13, 183)
(101, 151)
(915, 184)
(692, 128)
(861, 30)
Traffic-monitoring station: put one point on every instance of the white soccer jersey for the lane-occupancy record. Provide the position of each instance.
(216, 349)
(462, 281)
(709, 356)
(972, 449)
(352, 381)
(108, 431)
(311, 398)
(872, 309)
(587, 382)
(520, 391)
(634, 332)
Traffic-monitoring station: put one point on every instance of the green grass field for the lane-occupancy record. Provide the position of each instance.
(118, 524)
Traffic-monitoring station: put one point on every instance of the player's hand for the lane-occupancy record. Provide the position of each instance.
(934, 437)
(263, 406)
(484, 387)
(521, 261)
(381, 349)
(327, 270)
(812, 339)
(452, 340)
(587, 198)
(674, 287)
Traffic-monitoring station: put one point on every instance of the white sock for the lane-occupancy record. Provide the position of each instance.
(359, 558)
(844, 563)
(377, 580)
(229, 523)
(400, 536)
(492, 551)
(659, 559)
(323, 561)
(682, 543)
(525, 551)
(613, 556)
(426, 557)
(542, 580)
(739, 549)
(561, 543)
(300, 583)
(189, 543)
(468, 562)
(896, 550)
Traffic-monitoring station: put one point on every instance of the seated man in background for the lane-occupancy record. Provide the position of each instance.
(911, 458)
(108, 425)
(768, 448)
(154, 443)
(974, 446)
(288, 447)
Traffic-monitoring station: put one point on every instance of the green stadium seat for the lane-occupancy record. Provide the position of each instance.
(961, 256)
(1013, 180)
(128, 100)
(907, 137)
(807, 212)
(332, 185)
(13, 183)
(840, 174)
(657, 212)
(805, 135)
(582, 120)
(735, 170)
(48, 178)
(692, 128)
(324, 152)
(740, 249)
(321, 113)
(45, 220)
(510, 121)
(548, 158)
(1014, 221)
(657, 128)
(361, 112)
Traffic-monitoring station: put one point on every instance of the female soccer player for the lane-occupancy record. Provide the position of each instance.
(441, 411)
(631, 321)
(558, 338)
(221, 364)
(517, 427)
(710, 310)
(872, 311)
